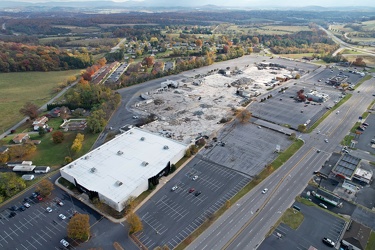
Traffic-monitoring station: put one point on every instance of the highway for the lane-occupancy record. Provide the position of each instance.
(246, 223)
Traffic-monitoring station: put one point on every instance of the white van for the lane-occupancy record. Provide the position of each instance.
(323, 205)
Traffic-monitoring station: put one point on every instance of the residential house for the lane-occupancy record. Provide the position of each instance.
(20, 138)
(3, 149)
(55, 112)
(40, 120)
(169, 65)
(356, 236)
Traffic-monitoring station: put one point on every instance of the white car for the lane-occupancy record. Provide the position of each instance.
(265, 191)
(27, 205)
(60, 203)
(174, 188)
(135, 117)
(49, 210)
(64, 243)
(63, 217)
(195, 177)
(326, 140)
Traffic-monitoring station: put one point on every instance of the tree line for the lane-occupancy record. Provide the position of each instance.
(17, 57)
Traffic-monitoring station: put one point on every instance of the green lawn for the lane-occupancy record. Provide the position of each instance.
(292, 218)
(18, 88)
(371, 241)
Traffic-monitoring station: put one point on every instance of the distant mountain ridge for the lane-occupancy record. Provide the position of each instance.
(163, 5)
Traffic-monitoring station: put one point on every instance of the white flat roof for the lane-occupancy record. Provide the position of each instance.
(123, 160)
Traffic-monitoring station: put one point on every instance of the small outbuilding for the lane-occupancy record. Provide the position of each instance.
(20, 138)
(28, 177)
(42, 169)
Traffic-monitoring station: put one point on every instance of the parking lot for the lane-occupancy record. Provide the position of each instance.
(247, 148)
(171, 216)
(36, 228)
(283, 109)
(364, 140)
(316, 225)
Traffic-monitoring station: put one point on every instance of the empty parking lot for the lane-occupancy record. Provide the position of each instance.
(171, 216)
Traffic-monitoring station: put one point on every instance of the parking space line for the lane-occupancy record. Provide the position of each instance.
(13, 232)
(46, 234)
(51, 230)
(31, 244)
(36, 241)
(3, 239)
(41, 237)
(23, 246)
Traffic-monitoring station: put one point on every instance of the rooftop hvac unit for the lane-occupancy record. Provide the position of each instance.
(70, 166)
(93, 170)
(142, 138)
(118, 183)
(165, 147)
(120, 152)
(145, 163)
(87, 157)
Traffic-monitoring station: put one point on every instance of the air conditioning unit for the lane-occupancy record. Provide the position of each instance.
(118, 183)
(165, 147)
(120, 152)
(93, 170)
(145, 163)
(142, 138)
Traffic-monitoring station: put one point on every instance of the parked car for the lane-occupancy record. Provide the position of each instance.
(365, 124)
(191, 190)
(12, 214)
(195, 177)
(34, 195)
(27, 205)
(64, 243)
(323, 205)
(197, 193)
(39, 198)
(174, 188)
(26, 199)
(49, 210)
(328, 242)
(63, 217)
(22, 208)
(326, 140)
(13, 208)
(60, 203)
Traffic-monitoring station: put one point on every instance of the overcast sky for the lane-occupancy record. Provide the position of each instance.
(249, 3)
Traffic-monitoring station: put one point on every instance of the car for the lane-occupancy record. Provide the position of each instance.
(12, 214)
(27, 205)
(63, 217)
(64, 243)
(326, 140)
(13, 208)
(135, 117)
(197, 193)
(195, 177)
(22, 208)
(259, 127)
(174, 188)
(39, 198)
(60, 203)
(49, 210)
(265, 191)
(318, 151)
(365, 124)
(26, 199)
(34, 195)
(328, 242)
(323, 205)
(191, 190)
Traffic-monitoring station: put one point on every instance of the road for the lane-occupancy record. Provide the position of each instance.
(246, 223)
(345, 45)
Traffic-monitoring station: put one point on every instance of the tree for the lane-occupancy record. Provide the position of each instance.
(41, 131)
(45, 187)
(58, 137)
(199, 43)
(301, 128)
(244, 116)
(20, 151)
(30, 110)
(149, 61)
(79, 227)
(96, 121)
(77, 143)
(10, 184)
(255, 40)
(135, 223)
(4, 157)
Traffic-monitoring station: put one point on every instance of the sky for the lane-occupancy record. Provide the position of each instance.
(248, 3)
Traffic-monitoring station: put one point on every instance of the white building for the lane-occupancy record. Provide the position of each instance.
(316, 96)
(124, 166)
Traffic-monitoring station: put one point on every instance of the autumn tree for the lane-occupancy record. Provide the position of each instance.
(58, 137)
(96, 121)
(249, 50)
(255, 40)
(302, 128)
(10, 184)
(244, 116)
(4, 157)
(135, 223)
(149, 61)
(45, 187)
(102, 61)
(79, 227)
(20, 151)
(77, 143)
(199, 43)
(30, 110)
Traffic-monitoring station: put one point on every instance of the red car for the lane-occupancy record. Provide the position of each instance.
(39, 198)
(191, 190)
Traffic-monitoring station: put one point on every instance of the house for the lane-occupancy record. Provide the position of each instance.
(20, 138)
(356, 236)
(55, 112)
(169, 65)
(40, 120)
(3, 149)
(36, 127)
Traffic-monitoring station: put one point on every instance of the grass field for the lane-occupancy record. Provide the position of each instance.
(18, 88)
(369, 60)
(371, 241)
(350, 51)
(296, 56)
